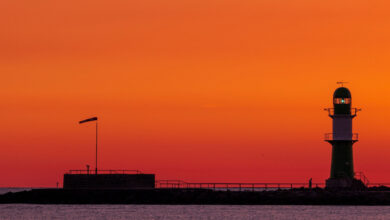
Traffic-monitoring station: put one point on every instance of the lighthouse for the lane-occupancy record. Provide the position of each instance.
(342, 139)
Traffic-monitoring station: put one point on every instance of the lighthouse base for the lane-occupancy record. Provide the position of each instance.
(345, 183)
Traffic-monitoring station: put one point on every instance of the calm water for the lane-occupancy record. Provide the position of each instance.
(24, 211)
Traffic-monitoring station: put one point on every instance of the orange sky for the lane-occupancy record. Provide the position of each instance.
(216, 90)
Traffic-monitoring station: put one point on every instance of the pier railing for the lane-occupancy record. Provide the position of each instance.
(175, 184)
(178, 184)
(360, 176)
(104, 172)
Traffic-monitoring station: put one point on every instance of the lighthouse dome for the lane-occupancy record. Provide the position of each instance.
(342, 92)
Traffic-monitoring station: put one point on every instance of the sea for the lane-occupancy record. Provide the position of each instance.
(27, 211)
(209, 212)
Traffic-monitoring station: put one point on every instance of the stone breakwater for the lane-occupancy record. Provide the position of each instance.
(317, 196)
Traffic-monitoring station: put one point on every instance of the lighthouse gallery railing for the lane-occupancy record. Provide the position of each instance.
(330, 137)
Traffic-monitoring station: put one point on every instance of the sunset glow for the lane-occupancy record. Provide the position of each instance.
(217, 90)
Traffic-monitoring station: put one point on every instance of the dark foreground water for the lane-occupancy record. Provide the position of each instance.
(25, 211)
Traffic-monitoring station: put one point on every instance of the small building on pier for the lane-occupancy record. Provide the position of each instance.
(108, 179)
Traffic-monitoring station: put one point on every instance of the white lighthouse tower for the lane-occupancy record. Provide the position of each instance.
(342, 138)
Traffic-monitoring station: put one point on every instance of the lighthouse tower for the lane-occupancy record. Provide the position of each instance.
(342, 140)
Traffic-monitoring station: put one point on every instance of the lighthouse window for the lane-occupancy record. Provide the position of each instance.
(342, 101)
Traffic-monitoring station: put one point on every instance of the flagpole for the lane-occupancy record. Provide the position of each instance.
(96, 159)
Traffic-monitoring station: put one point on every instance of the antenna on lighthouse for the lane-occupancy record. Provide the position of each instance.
(341, 83)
